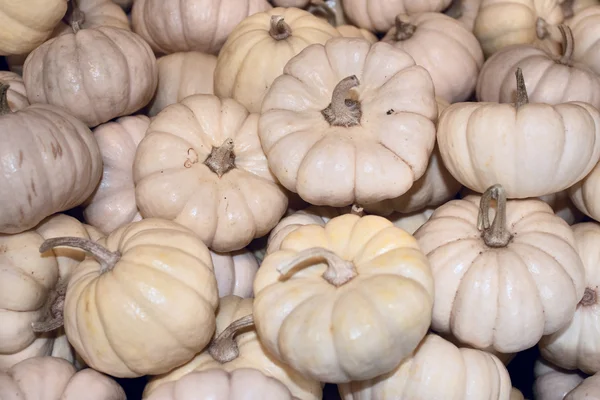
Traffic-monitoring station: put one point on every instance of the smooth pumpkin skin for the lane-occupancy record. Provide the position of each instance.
(411, 222)
(331, 333)
(49, 378)
(96, 74)
(589, 389)
(26, 25)
(554, 383)
(375, 160)
(51, 163)
(585, 194)
(16, 95)
(235, 272)
(437, 370)
(586, 33)
(202, 25)
(251, 58)
(353, 31)
(163, 267)
(113, 203)
(252, 354)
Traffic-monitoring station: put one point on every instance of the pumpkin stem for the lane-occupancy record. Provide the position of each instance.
(455, 10)
(338, 272)
(496, 234)
(320, 9)
(589, 298)
(4, 107)
(522, 97)
(105, 257)
(541, 28)
(224, 349)
(404, 30)
(221, 159)
(567, 8)
(77, 17)
(568, 44)
(357, 210)
(53, 310)
(342, 111)
(280, 30)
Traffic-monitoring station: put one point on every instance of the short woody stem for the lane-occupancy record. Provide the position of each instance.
(568, 44)
(494, 235)
(224, 348)
(343, 111)
(338, 271)
(53, 310)
(541, 28)
(320, 9)
(404, 30)
(4, 107)
(105, 257)
(77, 16)
(221, 159)
(357, 210)
(522, 97)
(280, 30)
(590, 297)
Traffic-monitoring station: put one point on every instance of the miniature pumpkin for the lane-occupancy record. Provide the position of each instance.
(201, 164)
(199, 26)
(235, 272)
(25, 25)
(487, 143)
(465, 11)
(50, 163)
(553, 383)
(589, 389)
(501, 23)
(95, 74)
(378, 15)
(349, 122)
(16, 95)
(352, 31)
(437, 370)
(311, 309)
(585, 194)
(411, 222)
(113, 203)
(444, 47)
(97, 13)
(236, 348)
(549, 78)
(181, 75)
(502, 284)
(164, 274)
(49, 378)
(515, 394)
(586, 33)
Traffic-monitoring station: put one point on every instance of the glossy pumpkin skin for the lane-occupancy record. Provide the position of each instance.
(553, 383)
(353, 31)
(235, 272)
(411, 222)
(585, 194)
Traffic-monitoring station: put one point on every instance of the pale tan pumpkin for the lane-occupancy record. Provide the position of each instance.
(411, 222)
(236, 347)
(589, 389)
(585, 194)
(349, 122)
(50, 163)
(49, 378)
(515, 394)
(201, 164)
(553, 383)
(16, 94)
(533, 276)
(27, 24)
(96, 74)
(258, 49)
(199, 26)
(531, 149)
(353, 31)
(181, 75)
(113, 203)
(586, 33)
(437, 370)
(235, 272)
(444, 47)
(465, 11)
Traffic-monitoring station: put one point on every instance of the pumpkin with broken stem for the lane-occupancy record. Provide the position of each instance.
(155, 267)
(339, 130)
(487, 143)
(526, 255)
(311, 309)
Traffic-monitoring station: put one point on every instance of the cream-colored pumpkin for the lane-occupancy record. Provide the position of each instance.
(259, 48)
(531, 149)
(202, 25)
(201, 164)
(515, 394)
(502, 284)
(95, 74)
(553, 383)
(576, 346)
(585, 194)
(378, 15)
(49, 378)
(28, 283)
(349, 122)
(586, 33)
(144, 303)
(411, 222)
(444, 47)
(574, 7)
(181, 75)
(236, 347)
(563, 207)
(16, 94)
(437, 370)
(331, 10)
(113, 203)
(549, 78)
(332, 319)
(235, 272)
(589, 389)
(50, 163)
(26, 24)
(353, 31)
(465, 11)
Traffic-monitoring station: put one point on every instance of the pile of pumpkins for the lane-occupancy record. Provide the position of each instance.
(394, 196)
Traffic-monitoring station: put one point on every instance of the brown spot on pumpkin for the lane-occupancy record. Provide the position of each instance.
(20, 158)
(29, 199)
(33, 187)
(390, 111)
(54, 150)
(3, 248)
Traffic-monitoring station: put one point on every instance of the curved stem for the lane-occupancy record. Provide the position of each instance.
(522, 97)
(53, 310)
(338, 271)
(224, 349)
(590, 298)
(496, 234)
(280, 30)
(568, 44)
(4, 107)
(342, 111)
(404, 30)
(320, 9)
(105, 257)
(221, 159)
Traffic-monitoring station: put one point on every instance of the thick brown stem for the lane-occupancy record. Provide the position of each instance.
(496, 234)
(338, 271)
(404, 30)
(280, 30)
(4, 107)
(77, 16)
(343, 111)
(455, 10)
(357, 210)
(53, 310)
(320, 9)
(568, 44)
(567, 8)
(221, 159)
(590, 297)
(105, 257)
(224, 348)
(522, 97)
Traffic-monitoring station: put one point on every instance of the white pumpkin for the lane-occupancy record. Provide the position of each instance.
(413, 221)
(586, 33)
(585, 194)
(16, 95)
(235, 272)
(563, 206)
(554, 383)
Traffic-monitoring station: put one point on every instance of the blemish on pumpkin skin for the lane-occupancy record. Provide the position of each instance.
(29, 199)
(33, 187)
(56, 150)
(3, 248)
(20, 158)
